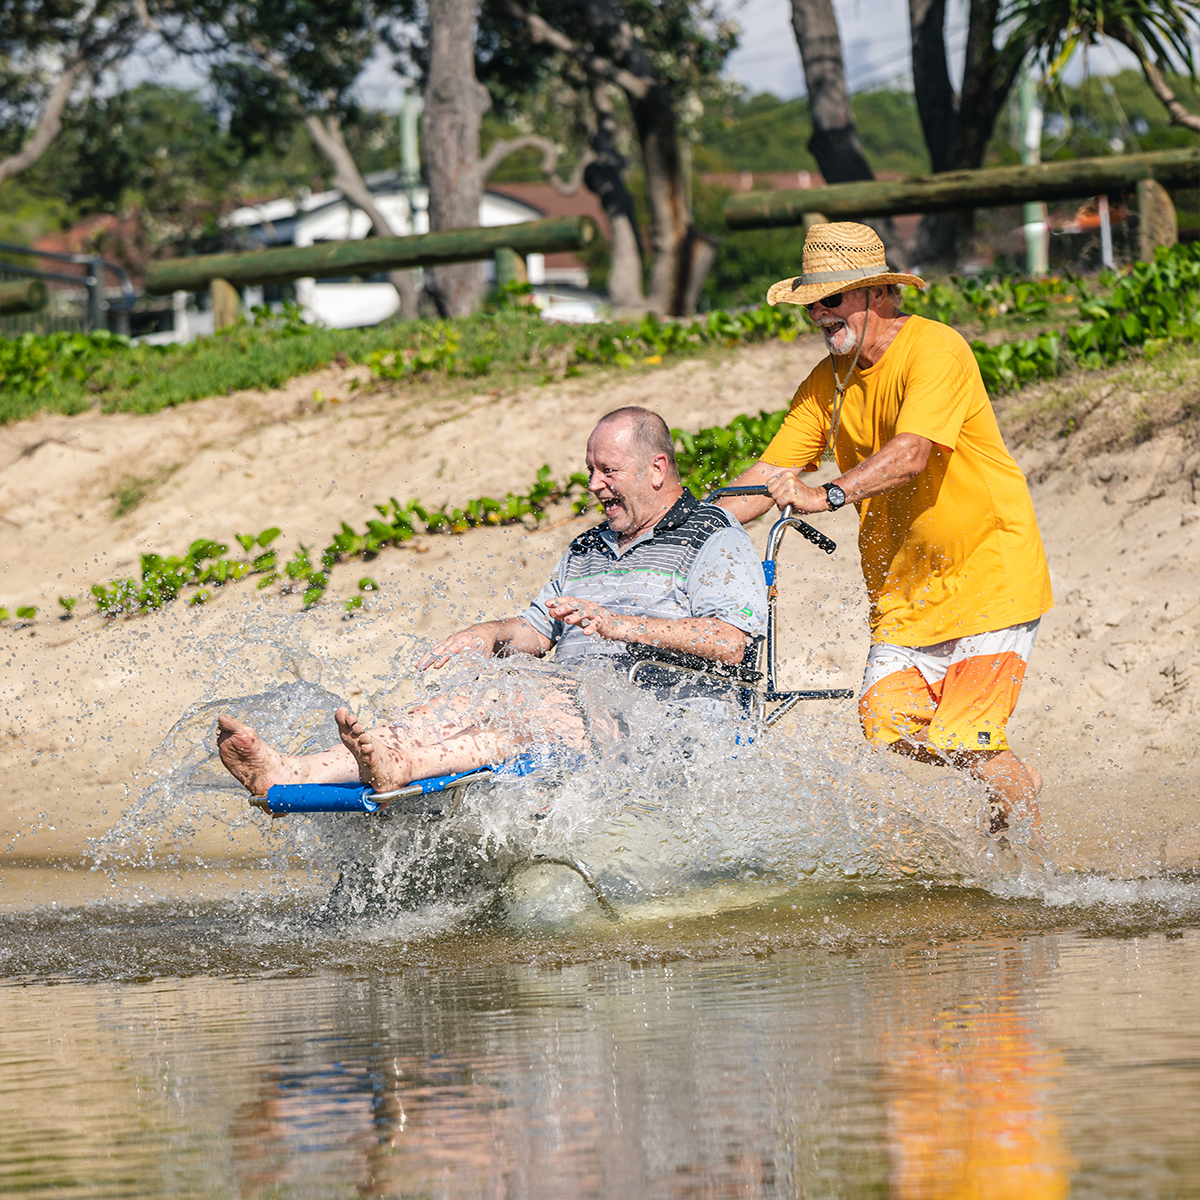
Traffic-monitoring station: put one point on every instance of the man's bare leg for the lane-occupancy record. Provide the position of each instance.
(430, 742)
(386, 761)
(380, 758)
(258, 766)
(1012, 784)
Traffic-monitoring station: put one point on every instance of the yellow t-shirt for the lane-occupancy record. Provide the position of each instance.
(955, 551)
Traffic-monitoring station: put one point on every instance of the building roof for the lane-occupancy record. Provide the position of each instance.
(550, 202)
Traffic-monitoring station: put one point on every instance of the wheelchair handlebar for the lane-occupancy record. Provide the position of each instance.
(786, 519)
(805, 530)
(757, 489)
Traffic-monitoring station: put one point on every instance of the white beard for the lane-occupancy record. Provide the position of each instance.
(840, 339)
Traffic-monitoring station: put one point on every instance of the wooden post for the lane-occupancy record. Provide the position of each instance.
(226, 304)
(1158, 224)
(509, 266)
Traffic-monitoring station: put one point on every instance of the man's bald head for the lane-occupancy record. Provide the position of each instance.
(647, 431)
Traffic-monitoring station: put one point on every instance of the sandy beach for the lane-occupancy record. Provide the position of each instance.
(1109, 711)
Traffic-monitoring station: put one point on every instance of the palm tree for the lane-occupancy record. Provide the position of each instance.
(1155, 31)
(1004, 35)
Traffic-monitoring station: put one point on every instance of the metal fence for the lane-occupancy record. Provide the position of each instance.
(77, 301)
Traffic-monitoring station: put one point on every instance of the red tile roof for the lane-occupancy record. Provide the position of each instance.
(552, 203)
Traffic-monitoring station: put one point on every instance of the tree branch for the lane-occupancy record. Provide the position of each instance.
(327, 137)
(541, 31)
(500, 150)
(143, 11)
(50, 123)
(1156, 79)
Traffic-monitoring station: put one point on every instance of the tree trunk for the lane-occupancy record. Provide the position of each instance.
(605, 178)
(455, 102)
(937, 101)
(653, 112)
(958, 141)
(327, 136)
(834, 142)
(613, 52)
(670, 204)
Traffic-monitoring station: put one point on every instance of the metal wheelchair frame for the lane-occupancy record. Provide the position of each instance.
(753, 697)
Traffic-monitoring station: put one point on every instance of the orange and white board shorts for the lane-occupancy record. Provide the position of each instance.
(960, 693)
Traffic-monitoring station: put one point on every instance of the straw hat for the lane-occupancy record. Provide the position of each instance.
(837, 258)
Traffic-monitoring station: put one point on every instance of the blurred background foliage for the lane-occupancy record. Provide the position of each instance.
(174, 161)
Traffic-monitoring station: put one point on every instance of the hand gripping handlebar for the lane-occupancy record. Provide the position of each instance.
(786, 521)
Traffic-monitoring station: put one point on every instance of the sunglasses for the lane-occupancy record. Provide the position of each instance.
(834, 301)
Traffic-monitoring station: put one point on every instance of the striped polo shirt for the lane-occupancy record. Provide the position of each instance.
(696, 562)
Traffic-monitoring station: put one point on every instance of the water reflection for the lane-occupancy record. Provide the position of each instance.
(403, 1125)
(993, 1067)
(975, 1100)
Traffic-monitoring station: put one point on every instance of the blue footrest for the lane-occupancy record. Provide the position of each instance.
(356, 797)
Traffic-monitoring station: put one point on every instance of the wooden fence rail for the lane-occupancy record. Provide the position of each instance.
(370, 255)
(963, 189)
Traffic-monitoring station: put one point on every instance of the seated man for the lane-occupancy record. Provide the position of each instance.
(663, 570)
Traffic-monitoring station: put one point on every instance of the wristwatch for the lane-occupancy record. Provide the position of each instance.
(837, 498)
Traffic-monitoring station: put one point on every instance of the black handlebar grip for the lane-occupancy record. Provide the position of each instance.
(815, 536)
(754, 490)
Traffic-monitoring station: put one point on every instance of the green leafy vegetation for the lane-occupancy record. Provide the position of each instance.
(33, 368)
(974, 298)
(1149, 307)
(712, 457)
(171, 161)
(72, 372)
(208, 564)
(763, 133)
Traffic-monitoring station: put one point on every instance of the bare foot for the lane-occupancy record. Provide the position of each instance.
(382, 761)
(254, 764)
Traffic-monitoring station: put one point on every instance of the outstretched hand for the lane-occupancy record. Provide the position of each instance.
(465, 641)
(588, 616)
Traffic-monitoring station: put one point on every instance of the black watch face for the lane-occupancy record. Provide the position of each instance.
(836, 496)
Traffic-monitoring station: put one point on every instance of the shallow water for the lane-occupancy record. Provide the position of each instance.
(809, 976)
(832, 1041)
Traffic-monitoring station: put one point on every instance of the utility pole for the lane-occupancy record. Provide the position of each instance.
(1037, 231)
(411, 108)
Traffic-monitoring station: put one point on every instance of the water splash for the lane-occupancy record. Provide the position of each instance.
(680, 804)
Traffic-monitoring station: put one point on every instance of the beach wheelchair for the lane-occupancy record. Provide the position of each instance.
(753, 683)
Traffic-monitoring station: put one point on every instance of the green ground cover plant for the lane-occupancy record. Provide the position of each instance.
(1146, 309)
(705, 458)
(70, 373)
